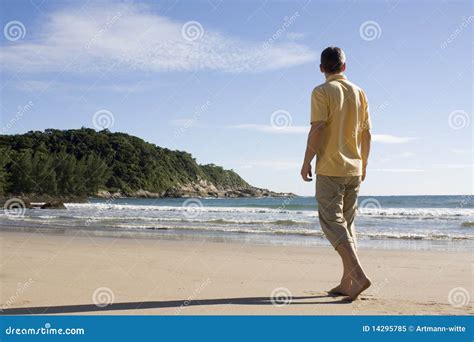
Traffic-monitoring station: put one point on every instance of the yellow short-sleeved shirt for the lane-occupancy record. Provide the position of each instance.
(344, 108)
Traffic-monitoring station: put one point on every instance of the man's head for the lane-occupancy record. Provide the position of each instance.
(333, 60)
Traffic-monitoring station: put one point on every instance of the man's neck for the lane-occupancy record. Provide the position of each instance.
(329, 75)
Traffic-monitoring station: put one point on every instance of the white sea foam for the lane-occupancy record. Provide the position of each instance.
(138, 217)
(374, 212)
(301, 232)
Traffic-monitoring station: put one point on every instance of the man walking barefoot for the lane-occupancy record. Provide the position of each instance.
(340, 138)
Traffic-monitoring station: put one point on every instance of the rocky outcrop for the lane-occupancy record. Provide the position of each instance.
(205, 189)
(53, 205)
(22, 202)
(35, 200)
(201, 188)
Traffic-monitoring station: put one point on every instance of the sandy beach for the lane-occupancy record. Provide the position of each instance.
(79, 274)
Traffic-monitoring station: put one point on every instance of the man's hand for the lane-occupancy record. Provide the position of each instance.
(315, 137)
(306, 172)
(364, 171)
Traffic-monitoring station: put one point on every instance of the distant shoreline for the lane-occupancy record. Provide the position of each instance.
(34, 198)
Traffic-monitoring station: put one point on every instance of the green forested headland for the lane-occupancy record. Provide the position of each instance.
(80, 162)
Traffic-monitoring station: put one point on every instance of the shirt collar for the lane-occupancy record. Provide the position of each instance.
(336, 77)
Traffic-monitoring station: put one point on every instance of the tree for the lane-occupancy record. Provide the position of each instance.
(43, 174)
(66, 173)
(20, 172)
(4, 159)
(96, 172)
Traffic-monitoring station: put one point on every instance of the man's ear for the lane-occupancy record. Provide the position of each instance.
(321, 68)
(344, 67)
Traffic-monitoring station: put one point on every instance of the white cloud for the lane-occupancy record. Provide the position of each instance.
(391, 139)
(397, 170)
(273, 164)
(271, 129)
(294, 36)
(402, 155)
(183, 122)
(381, 138)
(57, 86)
(454, 166)
(460, 151)
(133, 37)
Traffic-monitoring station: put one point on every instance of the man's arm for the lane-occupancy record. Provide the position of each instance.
(365, 150)
(315, 139)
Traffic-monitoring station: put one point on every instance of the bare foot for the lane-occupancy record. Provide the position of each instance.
(343, 289)
(359, 285)
(337, 291)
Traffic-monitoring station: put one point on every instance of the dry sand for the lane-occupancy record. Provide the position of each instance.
(42, 273)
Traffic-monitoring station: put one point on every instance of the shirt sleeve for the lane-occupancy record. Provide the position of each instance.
(319, 105)
(366, 121)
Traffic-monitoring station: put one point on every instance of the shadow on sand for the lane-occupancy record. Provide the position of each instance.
(162, 304)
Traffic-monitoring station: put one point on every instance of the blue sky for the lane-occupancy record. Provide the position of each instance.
(230, 82)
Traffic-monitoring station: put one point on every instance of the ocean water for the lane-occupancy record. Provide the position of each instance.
(395, 222)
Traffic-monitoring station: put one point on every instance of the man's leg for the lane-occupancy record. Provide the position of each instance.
(359, 280)
(344, 287)
(351, 191)
(330, 196)
(348, 252)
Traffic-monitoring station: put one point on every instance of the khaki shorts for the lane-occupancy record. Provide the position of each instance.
(337, 204)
